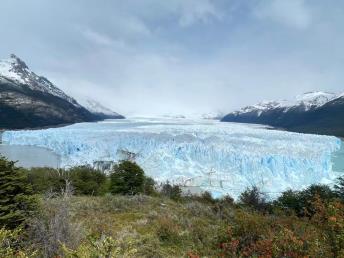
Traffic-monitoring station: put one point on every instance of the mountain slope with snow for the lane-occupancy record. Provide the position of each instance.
(15, 70)
(312, 112)
(98, 109)
(28, 100)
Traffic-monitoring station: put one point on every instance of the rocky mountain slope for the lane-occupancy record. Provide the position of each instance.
(28, 100)
(98, 109)
(313, 112)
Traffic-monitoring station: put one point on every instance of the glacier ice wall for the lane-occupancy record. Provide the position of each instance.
(208, 155)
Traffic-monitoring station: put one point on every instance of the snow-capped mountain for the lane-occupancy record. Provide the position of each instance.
(313, 112)
(28, 100)
(207, 116)
(306, 101)
(98, 109)
(15, 70)
(212, 115)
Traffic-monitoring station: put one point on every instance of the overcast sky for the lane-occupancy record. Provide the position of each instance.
(144, 57)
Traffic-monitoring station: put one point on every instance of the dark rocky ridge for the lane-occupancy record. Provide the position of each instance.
(21, 107)
(31, 101)
(327, 119)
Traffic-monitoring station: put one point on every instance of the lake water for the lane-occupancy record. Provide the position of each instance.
(30, 156)
(338, 160)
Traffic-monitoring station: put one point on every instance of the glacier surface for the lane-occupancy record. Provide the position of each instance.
(223, 158)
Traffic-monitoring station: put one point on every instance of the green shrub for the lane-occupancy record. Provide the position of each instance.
(17, 202)
(127, 178)
(128, 243)
(88, 181)
(224, 208)
(206, 197)
(339, 188)
(149, 186)
(44, 180)
(254, 198)
(290, 201)
(85, 180)
(168, 230)
(301, 202)
(10, 244)
(173, 192)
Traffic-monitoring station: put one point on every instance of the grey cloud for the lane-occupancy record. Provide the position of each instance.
(178, 56)
(292, 13)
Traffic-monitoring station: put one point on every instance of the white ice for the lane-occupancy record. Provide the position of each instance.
(218, 157)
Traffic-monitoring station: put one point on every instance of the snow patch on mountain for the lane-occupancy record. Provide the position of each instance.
(16, 71)
(307, 101)
(208, 116)
(95, 107)
(315, 99)
(7, 70)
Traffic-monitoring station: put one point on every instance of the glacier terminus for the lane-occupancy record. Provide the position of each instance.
(223, 158)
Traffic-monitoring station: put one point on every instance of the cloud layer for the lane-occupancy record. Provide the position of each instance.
(146, 57)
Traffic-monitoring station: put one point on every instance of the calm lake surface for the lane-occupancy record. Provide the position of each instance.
(30, 156)
(338, 160)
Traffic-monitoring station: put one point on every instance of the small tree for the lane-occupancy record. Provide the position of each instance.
(301, 202)
(172, 191)
(254, 198)
(339, 188)
(127, 178)
(312, 193)
(45, 179)
(290, 201)
(87, 181)
(206, 197)
(149, 186)
(16, 197)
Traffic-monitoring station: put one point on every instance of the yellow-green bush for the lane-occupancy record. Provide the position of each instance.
(10, 245)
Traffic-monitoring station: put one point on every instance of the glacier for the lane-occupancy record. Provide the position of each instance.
(223, 158)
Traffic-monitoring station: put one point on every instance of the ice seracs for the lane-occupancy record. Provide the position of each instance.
(218, 157)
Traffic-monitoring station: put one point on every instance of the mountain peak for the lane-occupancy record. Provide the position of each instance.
(315, 98)
(305, 101)
(17, 62)
(315, 94)
(17, 72)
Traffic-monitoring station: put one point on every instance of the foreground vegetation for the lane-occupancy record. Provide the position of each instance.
(85, 213)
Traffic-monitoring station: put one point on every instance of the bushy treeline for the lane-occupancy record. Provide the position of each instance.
(126, 178)
(126, 214)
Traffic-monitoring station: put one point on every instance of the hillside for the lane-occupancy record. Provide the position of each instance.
(98, 109)
(28, 100)
(314, 112)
